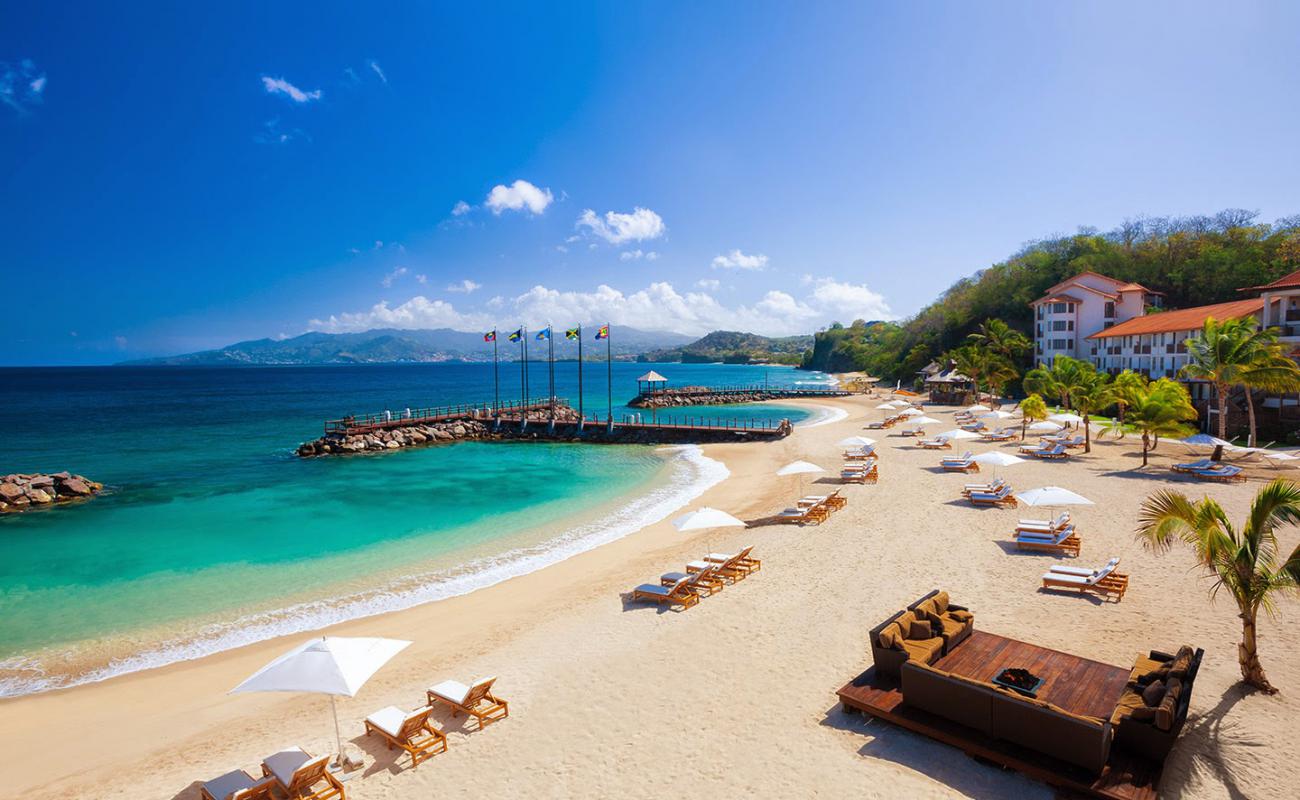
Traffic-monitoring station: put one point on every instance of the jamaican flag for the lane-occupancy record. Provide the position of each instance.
(573, 334)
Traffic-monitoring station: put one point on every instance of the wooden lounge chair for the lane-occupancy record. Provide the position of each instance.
(677, 594)
(860, 453)
(237, 785)
(1044, 525)
(1073, 442)
(1002, 497)
(739, 562)
(973, 427)
(1066, 569)
(1226, 473)
(410, 731)
(799, 516)
(865, 472)
(703, 582)
(1105, 582)
(937, 443)
(1003, 435)
(1193, 466)
(1052, 453)
(1064, 541)
(476, 700)
(984, 488)
(300, 775)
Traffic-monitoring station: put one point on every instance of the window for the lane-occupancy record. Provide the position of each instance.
(1059, 308)
(1060, 344)
(1071, 308)
(1040, 312)
(1108, 324)
(1110, 309)
(1071, 327)
(1059, 325)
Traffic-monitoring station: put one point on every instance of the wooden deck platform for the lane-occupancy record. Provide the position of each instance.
(1078, 685)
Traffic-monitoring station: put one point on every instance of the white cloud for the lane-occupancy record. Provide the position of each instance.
(708, 285)
(273, 133)
(518, 196)
(658, 306)
(461, 208)
(374, 65)
(738, 260)
(559, 248)
(421, 279)
(637, 255)
(281, 86)
(21, 85)
(851, 300)
(616, 228)
(388, 279)
(464, 287)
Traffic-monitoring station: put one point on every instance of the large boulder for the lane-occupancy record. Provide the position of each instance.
(41, 482)
(10, 491)
(39, 497)
(75, 486)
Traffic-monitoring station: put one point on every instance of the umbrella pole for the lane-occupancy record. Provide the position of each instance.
(338, 735)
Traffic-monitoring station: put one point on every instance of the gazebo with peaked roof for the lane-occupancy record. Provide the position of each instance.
(651, 381)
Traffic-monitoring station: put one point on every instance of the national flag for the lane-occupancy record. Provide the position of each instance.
(490, 336)
(602, 332)
(573, 333)
(517, 335)
(544, 333)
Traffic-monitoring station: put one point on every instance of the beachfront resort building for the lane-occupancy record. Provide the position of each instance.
(1156, 344)
(1281, 308)
(1076, 308)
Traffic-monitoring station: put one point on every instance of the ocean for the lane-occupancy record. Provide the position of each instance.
(211, 533)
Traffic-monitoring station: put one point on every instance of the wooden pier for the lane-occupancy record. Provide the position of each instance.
(668, 397)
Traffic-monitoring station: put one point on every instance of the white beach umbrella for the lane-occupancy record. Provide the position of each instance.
(799, 468)
(957, 434)
(912, 412)
(1045, 427)
(1052, 496)
(888, 406)
(977, 407)
(997, 458)
(997, 415)
(702, 518)
(922, 420)
(1065, 418)
(332, 665)
(857, 441)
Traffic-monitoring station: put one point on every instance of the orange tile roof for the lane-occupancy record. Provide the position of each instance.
(1184, 319)
(1133, 287)
(1057, 298)
(1284, 282)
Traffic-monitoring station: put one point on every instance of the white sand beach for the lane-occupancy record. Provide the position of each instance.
(736, 696)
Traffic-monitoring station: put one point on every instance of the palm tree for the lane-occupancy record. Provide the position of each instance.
(1093, 393)
(1242, 560)
(1222, 355)
(1128, 385)
(1031, 408)
(1159, 411)
(1272, 371)
(1001, 338)
(1060, 379)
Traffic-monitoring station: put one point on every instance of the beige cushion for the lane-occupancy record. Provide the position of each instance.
(891, 637)
(920, 629)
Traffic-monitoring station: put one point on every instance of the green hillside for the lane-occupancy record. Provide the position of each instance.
(1193, 260)
(734, 347)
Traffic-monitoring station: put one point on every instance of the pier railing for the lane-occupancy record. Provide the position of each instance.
(783, 391)
(418, 416)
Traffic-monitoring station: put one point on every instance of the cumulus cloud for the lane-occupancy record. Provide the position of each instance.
(658, 306)
(850, 300)
(464, 287)
(637, 255)
(708, 285)
(421, 279)
(617, 228)
(22, 85)
(518, 196)
(388, 279)
(461, 208)
(374, 65)
(738, 260)
(281, 86)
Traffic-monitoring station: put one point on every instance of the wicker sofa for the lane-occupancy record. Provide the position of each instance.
(1150, 725)
(895, 641)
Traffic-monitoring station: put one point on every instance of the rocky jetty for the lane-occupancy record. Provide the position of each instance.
(702, 396)
(21, 491)
(398, 434)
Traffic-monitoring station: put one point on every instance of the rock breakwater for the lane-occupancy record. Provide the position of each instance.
(23, 491)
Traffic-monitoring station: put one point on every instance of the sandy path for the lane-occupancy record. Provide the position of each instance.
(734, 697)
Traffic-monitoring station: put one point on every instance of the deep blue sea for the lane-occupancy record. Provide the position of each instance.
(212, 534)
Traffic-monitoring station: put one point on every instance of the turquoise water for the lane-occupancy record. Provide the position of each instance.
(212, 533)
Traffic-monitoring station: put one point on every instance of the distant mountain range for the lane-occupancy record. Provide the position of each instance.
(394, 346)
(734, 347)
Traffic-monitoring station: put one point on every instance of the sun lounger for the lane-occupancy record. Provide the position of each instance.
(800, 516)
(1054, 452)
(411, 731)
(705, 581)
(1044, 525)
(986, 488)
(973, 427)
(1225, 474)
(1004, 435)
(1002, 497)
(1073, 442)
(739, 561)
(1064, 541)
(1084, 571)
(476, 700)
(863, 474)
(1105, 582)
(917, 431)
(860, 453)
(938, 443)
(677, 594)
(237, 785)
(298, 774)
(1193, 466)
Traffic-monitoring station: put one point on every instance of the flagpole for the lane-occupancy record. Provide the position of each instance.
(581, 412)
(523, 377)
(550, 369)
(524, 411)
(496, 373)
(609, 377)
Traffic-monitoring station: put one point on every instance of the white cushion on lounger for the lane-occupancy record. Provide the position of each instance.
(1061, 569)
(793, 512)
(675, 576)
(699, 565)
(286, 762)
(645, 588)
(719, 558)
(456, 692)
(1059, 577)
(389, 720)
(224, 786)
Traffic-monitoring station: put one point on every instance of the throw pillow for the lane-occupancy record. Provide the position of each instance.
(920, 630)
(961, 616)
(889, 638)
(940, 603)
(1154, 693)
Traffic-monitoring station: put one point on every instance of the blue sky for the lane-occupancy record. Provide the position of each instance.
(177, 178)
